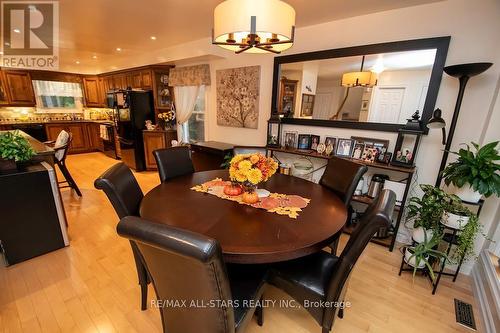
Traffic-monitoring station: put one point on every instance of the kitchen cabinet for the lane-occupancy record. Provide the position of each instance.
(146, 80)
(80, 143)
(92, 91)
(156, 140)
(4, 100)
(136, 80)
(19, 88)
(94, 135)
(120, 81)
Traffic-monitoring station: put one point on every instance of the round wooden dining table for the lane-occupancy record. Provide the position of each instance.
(246, 234)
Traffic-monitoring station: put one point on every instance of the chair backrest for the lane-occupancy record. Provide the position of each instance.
(249, 150)
(184, 266)
(173, 162)
(378, 214)
(62, 145)
(122, 189)
(342, 177)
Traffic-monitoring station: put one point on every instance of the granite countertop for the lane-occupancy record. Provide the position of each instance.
(30, 122)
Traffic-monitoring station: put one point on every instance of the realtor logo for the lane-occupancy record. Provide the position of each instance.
(30, 34)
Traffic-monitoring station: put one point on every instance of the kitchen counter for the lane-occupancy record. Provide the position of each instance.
(30, 122)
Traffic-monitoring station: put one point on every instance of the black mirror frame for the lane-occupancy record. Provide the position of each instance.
(441, 45)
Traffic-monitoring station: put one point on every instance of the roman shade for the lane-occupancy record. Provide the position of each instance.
(190, 76)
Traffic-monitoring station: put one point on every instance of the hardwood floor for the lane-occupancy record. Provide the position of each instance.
(91, 286)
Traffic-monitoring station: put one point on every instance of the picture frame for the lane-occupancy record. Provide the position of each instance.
(315, 141)
(344, 147)
(330, 140)
(307, 105)
(357, 150)
(369, 154)
(290, 139)
(381, 145)
(387, 158)
(304, 142)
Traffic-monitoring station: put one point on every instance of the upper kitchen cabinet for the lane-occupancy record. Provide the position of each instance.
(92, 91)
(19, 88)
(4, 100)
(146, 80)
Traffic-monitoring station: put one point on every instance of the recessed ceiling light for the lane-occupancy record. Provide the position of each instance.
(94, 57)
(153, 37)
(1, 52)
(7, 44)
(118, 49)
(17, 31)
(77, 62)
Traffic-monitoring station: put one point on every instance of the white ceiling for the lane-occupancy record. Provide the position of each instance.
(97, 27)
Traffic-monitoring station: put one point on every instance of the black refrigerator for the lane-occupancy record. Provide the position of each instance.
(130, 122)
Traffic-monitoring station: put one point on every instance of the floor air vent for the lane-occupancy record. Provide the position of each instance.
(464, 314)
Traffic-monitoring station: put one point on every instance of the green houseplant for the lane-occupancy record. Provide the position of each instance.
(422, 254)
(426, 212)
(14, 148)
(475, 172)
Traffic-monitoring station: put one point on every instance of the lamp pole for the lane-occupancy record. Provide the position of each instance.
(463, 72)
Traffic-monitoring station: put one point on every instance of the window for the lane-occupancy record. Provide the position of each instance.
(53, 96)
(194, 128)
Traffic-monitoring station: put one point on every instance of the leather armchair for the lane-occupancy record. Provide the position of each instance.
(124, 193)
(185, 266)
(173, 162)
(323, 277)
(342, 177)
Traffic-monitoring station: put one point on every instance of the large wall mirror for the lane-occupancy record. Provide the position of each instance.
(375, 87)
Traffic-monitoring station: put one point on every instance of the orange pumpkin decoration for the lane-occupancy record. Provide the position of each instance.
(250, 197)
(232, 190)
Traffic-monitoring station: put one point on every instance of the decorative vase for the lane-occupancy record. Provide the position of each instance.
(454, 221)
(7, 165)
(419, 234)
(467, 193)
(412, 261)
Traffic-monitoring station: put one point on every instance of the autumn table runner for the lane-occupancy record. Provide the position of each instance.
(282, 204)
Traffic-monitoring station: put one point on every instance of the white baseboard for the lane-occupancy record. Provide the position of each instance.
(486, 287)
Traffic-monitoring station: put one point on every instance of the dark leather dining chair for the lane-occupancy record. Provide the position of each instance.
(323, 277)
(173, 162)
(124, 193)
(186, 266)
(342, 177)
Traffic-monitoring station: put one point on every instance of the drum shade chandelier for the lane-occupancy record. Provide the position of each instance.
(359, 79)
(254, 26)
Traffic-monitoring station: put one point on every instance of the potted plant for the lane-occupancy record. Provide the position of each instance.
(475, 173)
(422, 254)
(14, 148)
(467, 237)
(426, 212)
(455, 214)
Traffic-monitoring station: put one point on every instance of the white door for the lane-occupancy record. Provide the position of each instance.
(387, 103)
(322, 106)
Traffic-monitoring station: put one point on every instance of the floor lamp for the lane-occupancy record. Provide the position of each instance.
(463, 72)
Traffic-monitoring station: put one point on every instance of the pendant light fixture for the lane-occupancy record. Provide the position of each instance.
(254, 26)
(359, 79)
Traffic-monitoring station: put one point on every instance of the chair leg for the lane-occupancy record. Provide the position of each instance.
(259, 311)
(341, 313)
(69, 179)
(325, 330)
(334, 246)
(142, 275)
(144, 296)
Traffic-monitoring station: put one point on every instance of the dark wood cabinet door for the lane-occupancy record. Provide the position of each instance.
(4, 99)
(136, 80)
(92, 91)
(19, 88)
(153, 140)
(80, 143)
(147, 80)
(95, 141)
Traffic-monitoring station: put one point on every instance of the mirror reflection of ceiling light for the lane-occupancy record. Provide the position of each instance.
(254, 26)
(359, 79)
(17, 31)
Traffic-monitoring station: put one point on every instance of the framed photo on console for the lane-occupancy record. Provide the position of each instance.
(290, 140)
(344, 147)
(304, 141)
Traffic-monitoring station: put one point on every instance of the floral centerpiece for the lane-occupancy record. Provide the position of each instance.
(246, 171)
(166, 119)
